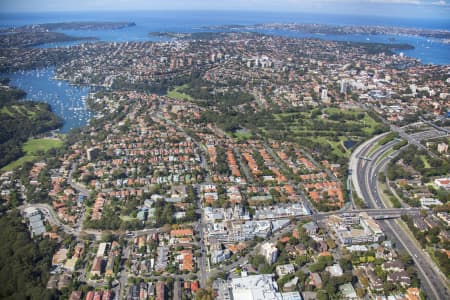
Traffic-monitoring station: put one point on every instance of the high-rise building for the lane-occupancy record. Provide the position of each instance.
(92, 153)
(270, 252)
(442, 148)
(344, 86)
(324, 95)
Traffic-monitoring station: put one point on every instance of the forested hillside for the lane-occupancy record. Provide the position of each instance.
(24, 263)
(20, 120)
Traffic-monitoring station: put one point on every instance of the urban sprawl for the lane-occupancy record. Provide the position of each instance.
(243, 166)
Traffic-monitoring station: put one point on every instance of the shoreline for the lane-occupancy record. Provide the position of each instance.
(56, 90)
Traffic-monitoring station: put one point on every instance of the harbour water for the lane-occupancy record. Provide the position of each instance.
(427, 50)
(67, 101)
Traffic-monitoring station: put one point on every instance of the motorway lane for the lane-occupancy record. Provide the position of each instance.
(355, 160)
(422, 261)
(363, 149)
(412, 140)
(374, 168)
(367, 182)
(364, 166)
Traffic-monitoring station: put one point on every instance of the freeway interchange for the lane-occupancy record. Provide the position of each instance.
(366, 162)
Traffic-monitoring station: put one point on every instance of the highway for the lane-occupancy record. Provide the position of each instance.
(365, 165)
(357, 160)
(366, 162)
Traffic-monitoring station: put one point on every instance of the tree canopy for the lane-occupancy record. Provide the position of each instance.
(24, 263)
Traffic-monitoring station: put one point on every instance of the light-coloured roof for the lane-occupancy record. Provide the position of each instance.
(256, 287)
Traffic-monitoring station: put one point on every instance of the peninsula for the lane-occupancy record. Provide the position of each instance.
(317, 168)
(339, 29)
(71, 26)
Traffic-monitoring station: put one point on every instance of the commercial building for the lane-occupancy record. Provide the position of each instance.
(365, 231)
(427, 202)
(35, 222)
(259, 287)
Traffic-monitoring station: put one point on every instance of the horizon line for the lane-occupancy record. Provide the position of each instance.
(220, 10)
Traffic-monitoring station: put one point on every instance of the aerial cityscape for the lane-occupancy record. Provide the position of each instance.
(244, 150)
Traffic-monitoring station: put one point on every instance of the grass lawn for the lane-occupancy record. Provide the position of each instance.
(280, 116)
(323, 130)
(176, 94)
(19, 109)
(384, 195)
(31, 149)
(127, 218)
(425, 161)
(5, 110)
(17, 163)
(369, 123)
(290, 121)
(389, 152)
(333, 144)
(335, 110)
(34, 145)
(243, 135)
(373, 149)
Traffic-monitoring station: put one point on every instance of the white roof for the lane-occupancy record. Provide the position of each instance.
(101, 249)
(255, 287)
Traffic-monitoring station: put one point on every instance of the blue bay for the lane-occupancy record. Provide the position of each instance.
(67, 101)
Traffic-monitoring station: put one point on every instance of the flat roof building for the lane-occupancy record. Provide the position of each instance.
(259, 287)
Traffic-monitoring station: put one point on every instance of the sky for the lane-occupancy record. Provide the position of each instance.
(401, 8)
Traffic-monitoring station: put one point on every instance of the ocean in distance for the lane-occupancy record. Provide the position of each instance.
(67, 101)
(427, 50)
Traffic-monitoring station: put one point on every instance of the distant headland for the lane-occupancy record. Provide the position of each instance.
(70, 26)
